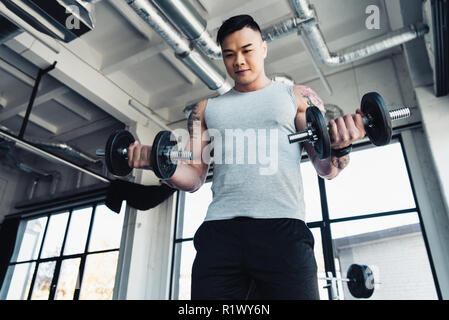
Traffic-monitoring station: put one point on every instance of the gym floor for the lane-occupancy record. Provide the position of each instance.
(62, 95)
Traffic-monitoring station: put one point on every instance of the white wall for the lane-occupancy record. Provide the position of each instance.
(399, 263)
(426, 151)
(435, 114)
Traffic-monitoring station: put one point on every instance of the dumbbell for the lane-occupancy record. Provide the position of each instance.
(164, 155)
(376, 119)
(360, 280)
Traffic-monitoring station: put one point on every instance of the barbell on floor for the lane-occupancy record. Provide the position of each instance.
(377, 122)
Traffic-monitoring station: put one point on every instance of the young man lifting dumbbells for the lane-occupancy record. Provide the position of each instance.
(254, 231)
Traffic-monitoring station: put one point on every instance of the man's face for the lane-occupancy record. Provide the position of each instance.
(244, 53)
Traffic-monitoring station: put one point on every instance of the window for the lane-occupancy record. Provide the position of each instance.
(368, 215)
(194, 208)
(65, 255)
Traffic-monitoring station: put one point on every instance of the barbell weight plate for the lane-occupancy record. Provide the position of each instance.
(361, 284)
(380, 131)
(316, 119)
(116, 163)
(162, 166)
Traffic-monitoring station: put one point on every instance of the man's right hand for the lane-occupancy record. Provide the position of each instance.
(139, 156)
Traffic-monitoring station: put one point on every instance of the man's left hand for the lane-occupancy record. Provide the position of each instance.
(346, 130)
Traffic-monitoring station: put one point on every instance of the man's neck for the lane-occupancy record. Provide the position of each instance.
(253, 86)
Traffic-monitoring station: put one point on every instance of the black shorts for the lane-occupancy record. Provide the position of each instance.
(245, 258)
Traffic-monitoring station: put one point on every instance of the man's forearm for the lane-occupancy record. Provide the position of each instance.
(186, 178)
(327, 168)
(330, 168)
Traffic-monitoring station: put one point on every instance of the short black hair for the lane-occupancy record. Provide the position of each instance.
(234, 24)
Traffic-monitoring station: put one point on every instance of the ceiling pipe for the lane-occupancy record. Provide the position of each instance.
(190, 22)
(194, 60)
(283, 28)
(316, 40)
(184, 16)
(288, 27)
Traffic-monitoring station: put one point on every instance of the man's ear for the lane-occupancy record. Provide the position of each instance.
(265, 49)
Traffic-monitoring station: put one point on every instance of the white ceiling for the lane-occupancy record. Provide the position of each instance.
(126, 52)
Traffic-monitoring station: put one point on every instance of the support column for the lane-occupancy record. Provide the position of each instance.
(147, 241)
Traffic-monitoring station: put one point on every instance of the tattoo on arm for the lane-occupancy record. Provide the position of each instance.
(193, 120)
(340, 163)
(311, 97)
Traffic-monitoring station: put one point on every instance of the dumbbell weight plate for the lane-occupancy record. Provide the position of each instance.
(116, 163)
(362, 281)
(321, 146)
(162, 166)
(380, 131)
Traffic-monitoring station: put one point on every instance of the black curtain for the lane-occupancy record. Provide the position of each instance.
(8, 233)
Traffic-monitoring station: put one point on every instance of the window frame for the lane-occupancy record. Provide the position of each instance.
(324, 224)
(48, 212)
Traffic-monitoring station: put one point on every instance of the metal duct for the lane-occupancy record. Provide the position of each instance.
(283, 28)
(303, 9)
(313, 33)
(194, 60)
(183, 15)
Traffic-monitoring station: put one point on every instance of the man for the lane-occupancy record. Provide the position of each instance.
(254, 231)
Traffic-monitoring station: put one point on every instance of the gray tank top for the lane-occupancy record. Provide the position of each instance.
(256, 170)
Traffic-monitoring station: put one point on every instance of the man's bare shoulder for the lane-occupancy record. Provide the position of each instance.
(306, 97)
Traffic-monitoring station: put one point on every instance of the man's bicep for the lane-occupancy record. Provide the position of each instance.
(307, 97)
(300, 120)
(196, 119)
(199, 135)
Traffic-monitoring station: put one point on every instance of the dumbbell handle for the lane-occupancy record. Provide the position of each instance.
(308, 134)
(337, 279)
(102, 152)
(173, 155)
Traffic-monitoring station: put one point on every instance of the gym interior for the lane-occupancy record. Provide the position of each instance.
(72, 73)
